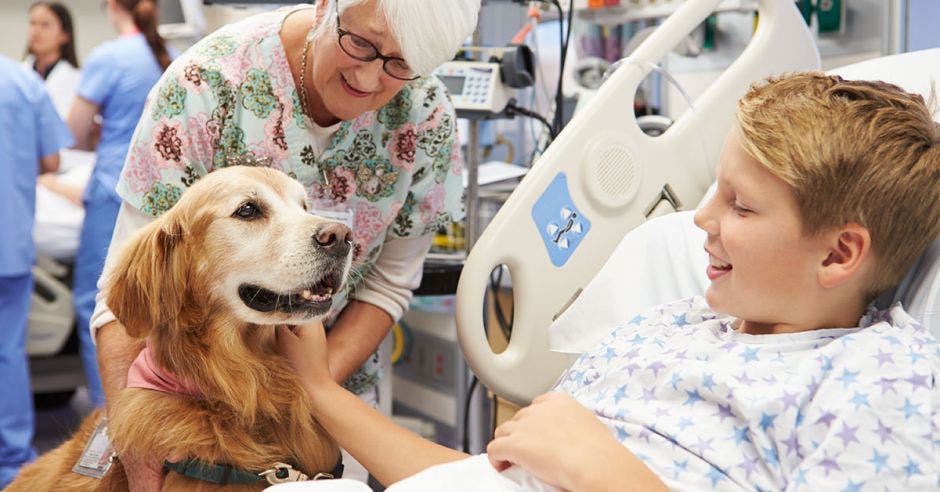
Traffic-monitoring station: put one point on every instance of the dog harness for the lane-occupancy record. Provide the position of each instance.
(227, 474)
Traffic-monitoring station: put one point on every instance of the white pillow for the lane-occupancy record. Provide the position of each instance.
(660, 261)
(919, 293)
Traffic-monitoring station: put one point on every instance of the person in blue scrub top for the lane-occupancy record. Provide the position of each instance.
(116, 79)
(31, 134)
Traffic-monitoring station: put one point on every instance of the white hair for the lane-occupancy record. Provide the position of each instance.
(428, 32)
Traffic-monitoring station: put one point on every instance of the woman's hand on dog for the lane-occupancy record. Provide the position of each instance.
(305, 347)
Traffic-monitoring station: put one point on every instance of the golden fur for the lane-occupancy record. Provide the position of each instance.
(176, 284)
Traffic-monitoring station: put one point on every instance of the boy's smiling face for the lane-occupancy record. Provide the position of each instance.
(762, 268)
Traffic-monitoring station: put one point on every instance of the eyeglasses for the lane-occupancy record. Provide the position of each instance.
(362, 49)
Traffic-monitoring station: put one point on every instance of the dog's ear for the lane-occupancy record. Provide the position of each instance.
(147, 285)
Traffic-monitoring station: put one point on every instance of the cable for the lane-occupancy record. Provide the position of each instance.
(466, 415)
(560, 112)
(496, 278)
(512, 109)
(563, 43)
(541, 94)
(564, 34)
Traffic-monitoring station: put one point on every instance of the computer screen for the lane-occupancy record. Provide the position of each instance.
(181, 19)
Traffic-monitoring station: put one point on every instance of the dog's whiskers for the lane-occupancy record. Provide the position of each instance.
(353, 277)
(257, 291)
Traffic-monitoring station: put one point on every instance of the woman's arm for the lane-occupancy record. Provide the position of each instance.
(51, 181)
(564, 444)
(379, 299)
(49, 163)
(116, 351)
(388, 451)
(357, 332)
(81, 122)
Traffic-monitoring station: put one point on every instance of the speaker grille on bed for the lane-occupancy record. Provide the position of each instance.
(612, 180)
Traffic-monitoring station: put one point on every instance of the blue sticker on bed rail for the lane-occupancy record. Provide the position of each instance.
(560, 223)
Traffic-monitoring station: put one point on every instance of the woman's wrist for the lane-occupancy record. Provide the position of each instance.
(321, 390)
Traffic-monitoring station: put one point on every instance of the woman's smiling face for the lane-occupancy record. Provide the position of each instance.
(344, 86)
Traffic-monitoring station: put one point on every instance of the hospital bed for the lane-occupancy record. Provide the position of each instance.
(603, 177)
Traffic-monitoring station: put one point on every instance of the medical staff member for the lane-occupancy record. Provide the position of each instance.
(51, 52)
(31, 134)
(341, 97)
(115, 82)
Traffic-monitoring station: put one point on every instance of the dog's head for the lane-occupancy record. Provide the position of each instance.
(239, 242)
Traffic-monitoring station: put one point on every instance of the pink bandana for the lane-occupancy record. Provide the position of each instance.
(145, 373)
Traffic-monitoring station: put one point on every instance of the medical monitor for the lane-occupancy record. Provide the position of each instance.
(181, 19)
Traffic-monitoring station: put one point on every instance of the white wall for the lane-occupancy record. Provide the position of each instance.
(922, 25)
(91, 24)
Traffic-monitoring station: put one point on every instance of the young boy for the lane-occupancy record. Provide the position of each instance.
(828, 190)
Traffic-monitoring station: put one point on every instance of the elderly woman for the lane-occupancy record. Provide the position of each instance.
(339, 97)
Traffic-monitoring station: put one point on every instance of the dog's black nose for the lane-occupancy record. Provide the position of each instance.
(333, 238)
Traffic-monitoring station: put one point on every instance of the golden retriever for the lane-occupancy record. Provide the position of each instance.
(205, 284)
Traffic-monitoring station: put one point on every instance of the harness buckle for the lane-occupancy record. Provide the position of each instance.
(282, 473)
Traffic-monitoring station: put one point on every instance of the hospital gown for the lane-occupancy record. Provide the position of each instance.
(709, 408)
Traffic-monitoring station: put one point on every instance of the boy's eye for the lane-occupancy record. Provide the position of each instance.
(738, 208)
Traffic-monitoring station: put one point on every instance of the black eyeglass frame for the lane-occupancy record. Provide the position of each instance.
(340, 32)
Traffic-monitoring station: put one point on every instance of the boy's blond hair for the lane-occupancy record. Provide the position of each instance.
(852, 151)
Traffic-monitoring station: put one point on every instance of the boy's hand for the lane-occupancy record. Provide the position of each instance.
(564, 444)
(305, 347)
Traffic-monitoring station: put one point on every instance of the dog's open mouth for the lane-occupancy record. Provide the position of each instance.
(315, 298)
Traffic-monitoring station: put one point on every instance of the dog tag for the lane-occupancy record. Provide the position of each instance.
(98, 454)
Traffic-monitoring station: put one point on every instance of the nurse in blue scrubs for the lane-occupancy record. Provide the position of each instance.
(31, 134)
(116, 79)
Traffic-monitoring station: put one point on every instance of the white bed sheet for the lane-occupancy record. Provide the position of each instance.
(472, 474)
(59, 221)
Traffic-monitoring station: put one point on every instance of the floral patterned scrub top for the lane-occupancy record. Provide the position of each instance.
(232, 96)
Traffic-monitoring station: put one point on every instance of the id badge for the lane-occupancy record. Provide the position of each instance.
(326, 209)
(98, 455)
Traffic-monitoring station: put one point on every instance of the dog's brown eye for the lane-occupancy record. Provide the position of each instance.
(248, 211)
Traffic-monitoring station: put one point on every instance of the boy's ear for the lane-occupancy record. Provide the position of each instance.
(848, 251)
